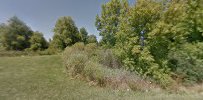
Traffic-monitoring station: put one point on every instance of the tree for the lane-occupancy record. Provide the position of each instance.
(153, 30)
(194, 21)
(65, 33)
(2, 26)
(91, 39)
(187, 63)
(15, 34)
(83, 34)
(38, 42)
(109, 21)
(133, 40)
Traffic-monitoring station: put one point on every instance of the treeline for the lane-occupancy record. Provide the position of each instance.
(16, 35)
(161, 39)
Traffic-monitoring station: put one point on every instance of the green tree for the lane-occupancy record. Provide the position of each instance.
(2, 27)
(109, 21)
(65, 33)
(187, 63)
(15, 34)
(194, 21)
(168, 32)
(152, 31)
(38, 42)
(133, 40)
(91, 39)
(84, 34)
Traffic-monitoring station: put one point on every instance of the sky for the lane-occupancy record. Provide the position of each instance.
(41, 15)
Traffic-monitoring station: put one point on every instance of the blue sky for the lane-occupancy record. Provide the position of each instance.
(41, 15)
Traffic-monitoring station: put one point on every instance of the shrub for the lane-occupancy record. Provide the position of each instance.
(78, 47)
(91, 49)
(76, 63)
(74, 58)
(94, 72)
(107, 58)
(85, 61)
(187, 63)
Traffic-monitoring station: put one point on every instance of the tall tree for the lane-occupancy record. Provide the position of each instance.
(65, 33)
(133, 40)
(109, 21)
(38, 42)
(15, 34)
(83, 33)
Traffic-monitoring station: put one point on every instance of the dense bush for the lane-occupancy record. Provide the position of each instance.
(89, 62)
(187, 63)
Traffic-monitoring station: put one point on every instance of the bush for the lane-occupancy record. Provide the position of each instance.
(187, 63)
(94, 72)
(75, 58)
(85, 61)
(107, 58)
(76, 63)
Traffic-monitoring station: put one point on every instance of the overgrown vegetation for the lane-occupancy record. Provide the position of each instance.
(158, 41)
(102, 68)
(187, 63)
(43, 78)
(152, 38)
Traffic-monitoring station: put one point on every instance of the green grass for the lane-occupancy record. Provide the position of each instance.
(44, 78)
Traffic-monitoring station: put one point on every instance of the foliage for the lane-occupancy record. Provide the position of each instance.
(38, 42)
(108, 58)
(1, 37)
(65, 33)
(150, 30)
(132, 48)
(90, 63)
(84, 35)
(15, 34)
(171, 34)
(109, 21)
(91, 39)
(187, 63)
(194, 21)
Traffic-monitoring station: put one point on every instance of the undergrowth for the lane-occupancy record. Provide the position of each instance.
(100, 67)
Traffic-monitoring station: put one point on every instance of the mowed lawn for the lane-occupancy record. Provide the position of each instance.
(44, 78)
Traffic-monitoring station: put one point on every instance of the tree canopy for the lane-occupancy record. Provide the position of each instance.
(38, 42)
(15, 34)
(107, 24)
(65, 33)
(149, 35)
(83, 34)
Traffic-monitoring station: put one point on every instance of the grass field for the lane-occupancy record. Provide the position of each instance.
(44, 78)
